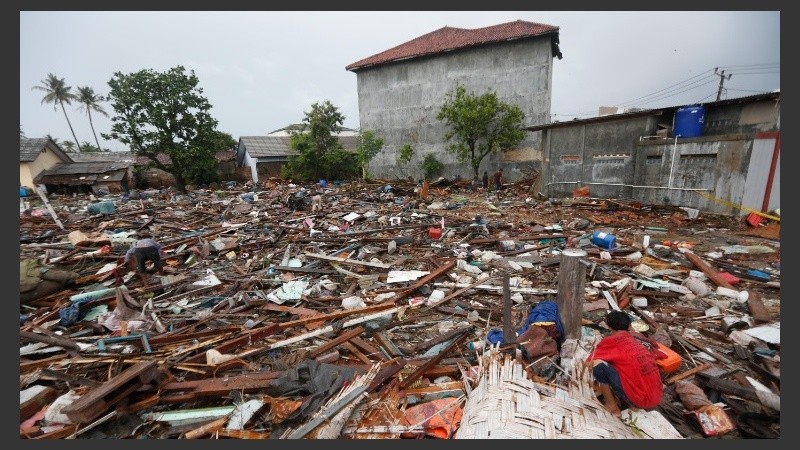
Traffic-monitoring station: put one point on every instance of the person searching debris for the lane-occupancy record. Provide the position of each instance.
(497, 178)
(143, 250)
(625, 369)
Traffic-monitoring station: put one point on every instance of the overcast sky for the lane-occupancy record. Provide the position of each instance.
(263, 70)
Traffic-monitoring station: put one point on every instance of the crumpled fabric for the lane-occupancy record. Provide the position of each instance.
(319, 381)
(544, 311)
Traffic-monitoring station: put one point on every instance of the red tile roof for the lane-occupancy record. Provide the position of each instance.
(449, 38)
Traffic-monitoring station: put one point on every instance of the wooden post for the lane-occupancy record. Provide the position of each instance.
(509, 336)
(571, 287)
(43, 196)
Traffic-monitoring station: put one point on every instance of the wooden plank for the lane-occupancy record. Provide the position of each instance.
(355, 352)
(368, 348)
(49, 339)
(348, 261)
(387, 344)
(31, 406)
(344, 337)
(712, 274)
(757, 309)
(688, 373)
(431, 362)
(92, 404)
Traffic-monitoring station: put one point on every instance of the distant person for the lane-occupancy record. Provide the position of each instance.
(485, 179)
(143, 250)
(497, 179)
(625, 369)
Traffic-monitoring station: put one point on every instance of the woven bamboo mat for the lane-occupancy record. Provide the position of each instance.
(506, 404)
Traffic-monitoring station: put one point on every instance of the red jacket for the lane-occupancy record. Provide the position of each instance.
(636, 364)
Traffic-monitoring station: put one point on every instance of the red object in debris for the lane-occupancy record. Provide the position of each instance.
(731, 279)
(672, 362)
(435, 233)
(754, 219)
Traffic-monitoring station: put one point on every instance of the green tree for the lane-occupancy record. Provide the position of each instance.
(21, 133)
(431, 167)
(87, 147)
(68, 146)
(369, 146)
(57, 93)
(479, 125)
(222, 141)
(320, 154)
(165, 113)
(89, 101)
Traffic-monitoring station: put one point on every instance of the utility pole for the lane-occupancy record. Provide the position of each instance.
(722, 79)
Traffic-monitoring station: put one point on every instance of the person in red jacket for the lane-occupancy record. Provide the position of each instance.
(624, 367)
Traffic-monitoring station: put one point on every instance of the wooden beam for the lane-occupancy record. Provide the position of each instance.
(344, 337)
(688, 373)
(712, 274)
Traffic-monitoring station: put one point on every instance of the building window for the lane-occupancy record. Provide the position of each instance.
(612, 158)
(655, 159)
(570, 159)
(699, 159)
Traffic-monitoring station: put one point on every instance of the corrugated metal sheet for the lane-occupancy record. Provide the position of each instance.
(270, 146)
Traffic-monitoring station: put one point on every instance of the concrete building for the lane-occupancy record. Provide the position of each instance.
(730, 167)
(37, 155)
(401, 90)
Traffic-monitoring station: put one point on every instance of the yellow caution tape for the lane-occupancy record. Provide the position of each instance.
(743, 208)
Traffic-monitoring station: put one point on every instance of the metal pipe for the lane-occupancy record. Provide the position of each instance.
(630, 185)
(672, 165)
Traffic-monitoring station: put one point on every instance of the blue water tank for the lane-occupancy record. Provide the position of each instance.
(689, 121)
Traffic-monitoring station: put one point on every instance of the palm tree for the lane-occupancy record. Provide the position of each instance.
(68, 146)
(91, 102)
(58, 93)
(21, 133)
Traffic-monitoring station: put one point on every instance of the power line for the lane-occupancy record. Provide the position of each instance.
(722, 79)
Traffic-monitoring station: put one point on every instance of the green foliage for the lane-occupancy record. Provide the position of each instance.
(21, 133)
(431, 167)
(57, 93)
(91, 102)
(221, 141)
(139, 179)
(406, 153)
(320, 155)
(369, 146)
(165, 113)
(86, 147)
(479, 125)
(68, 146)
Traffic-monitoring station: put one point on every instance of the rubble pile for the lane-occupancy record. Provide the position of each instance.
(375, 309)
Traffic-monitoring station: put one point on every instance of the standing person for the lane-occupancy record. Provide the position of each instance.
(497, 178)
(485, 180)
(625, 369)
(143, 250)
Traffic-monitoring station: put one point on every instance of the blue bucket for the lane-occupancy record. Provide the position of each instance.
(323, 183)
(603, 240)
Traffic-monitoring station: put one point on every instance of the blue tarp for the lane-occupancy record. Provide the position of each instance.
(545, 311)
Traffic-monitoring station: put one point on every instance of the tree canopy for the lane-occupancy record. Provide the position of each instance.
(320, 154)
(369, 146)
(89, 101)
(165, 113)
(57, 93)
(479, 125)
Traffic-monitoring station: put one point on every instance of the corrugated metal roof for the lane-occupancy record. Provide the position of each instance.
(271, 146)
(449, 38)
(654, 111)
(85, 168)
(103, 157)
(29, 149)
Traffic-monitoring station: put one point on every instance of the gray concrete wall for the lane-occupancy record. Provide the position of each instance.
(614, 162)
(400, 101)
